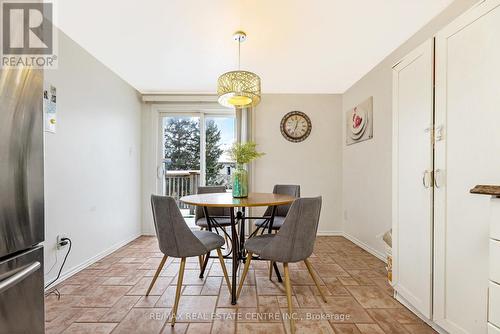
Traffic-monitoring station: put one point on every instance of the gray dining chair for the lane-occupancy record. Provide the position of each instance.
(281, 210)
(175, 239)
(294, 242)
(223, 219)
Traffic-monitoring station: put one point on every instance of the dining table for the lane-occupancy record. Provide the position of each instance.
(237, 219)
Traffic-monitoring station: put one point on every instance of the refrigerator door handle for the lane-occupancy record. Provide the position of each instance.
(19, 276)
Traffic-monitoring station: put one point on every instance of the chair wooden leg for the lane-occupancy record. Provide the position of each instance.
(178, 290)
(224, 270)
(270, 270)
(157, 273)
(288, 288)
(244, 274)
(310, 269)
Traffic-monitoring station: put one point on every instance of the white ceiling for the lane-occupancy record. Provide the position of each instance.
(296, 46)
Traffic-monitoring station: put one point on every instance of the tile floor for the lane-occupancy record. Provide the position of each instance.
(109, 296)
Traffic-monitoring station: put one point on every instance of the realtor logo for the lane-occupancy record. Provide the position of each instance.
(27, 34)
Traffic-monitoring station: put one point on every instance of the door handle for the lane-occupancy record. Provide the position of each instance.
(160, 172)
(438, 133)
(425, 182)
(437, 176)
(19, 276)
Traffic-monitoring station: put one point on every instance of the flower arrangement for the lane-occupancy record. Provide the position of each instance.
(243, 153)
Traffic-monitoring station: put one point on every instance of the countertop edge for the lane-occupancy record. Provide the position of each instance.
(482, 189)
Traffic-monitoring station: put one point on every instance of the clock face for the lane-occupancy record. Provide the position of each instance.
(295, 126)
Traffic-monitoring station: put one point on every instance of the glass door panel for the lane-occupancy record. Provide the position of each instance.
(181, 159)
(219, 136)
(193, 152)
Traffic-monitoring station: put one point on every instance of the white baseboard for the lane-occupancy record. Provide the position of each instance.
(330, 234)
(367, 248)
(67, 274)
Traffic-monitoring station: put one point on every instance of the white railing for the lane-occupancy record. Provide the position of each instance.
(181, 183)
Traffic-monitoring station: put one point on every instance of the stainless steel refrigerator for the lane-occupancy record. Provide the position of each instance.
(21, 202)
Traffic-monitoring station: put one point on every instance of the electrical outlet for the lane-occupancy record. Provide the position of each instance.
(58, 241)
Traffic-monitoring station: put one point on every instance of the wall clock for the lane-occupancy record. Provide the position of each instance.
(295, 126)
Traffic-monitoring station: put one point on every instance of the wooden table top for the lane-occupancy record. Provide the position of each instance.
(226, 200)
(486, 190)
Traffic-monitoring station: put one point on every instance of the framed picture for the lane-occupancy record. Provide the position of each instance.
(360, 122)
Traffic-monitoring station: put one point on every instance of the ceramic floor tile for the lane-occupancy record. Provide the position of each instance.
(259, 328)
(147, 301)
(388, 324)
(158, 288)
(109, 296)
(346, 329)
(90, 328)
(196, 308)
(310, 327)
(419, 329)
(179, 328)
(370, 329)
(64, 320)
(305, 296)
(167, 298)
(212, 286)
(143, 321)
(248, 297)
(103, 296)
(193, 290)
(345, 309)
(93, 314)
(198, 329)
(120, 309)
(372, 297)
(267, 287)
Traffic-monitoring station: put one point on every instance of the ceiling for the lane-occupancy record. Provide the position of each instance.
(295, 46)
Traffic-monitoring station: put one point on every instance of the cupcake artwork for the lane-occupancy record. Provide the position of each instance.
(360, 122)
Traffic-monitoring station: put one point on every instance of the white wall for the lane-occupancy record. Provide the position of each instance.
(315, 164)
(367, 169)
(92, 163)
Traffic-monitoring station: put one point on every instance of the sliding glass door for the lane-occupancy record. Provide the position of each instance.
(193, 152)
(219, 136)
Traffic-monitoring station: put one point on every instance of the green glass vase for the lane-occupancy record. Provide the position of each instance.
(240, 182)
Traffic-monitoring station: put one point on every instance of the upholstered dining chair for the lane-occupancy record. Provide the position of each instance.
(223, 219)
(282, 210)
(175, 239)
(294, 242)
(219, 218)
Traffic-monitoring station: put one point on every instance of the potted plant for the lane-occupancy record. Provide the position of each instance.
(242, 154)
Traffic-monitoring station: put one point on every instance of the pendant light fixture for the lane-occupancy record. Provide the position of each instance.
(239, 89)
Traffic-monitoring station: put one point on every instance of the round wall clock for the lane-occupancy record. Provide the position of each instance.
(295, 126)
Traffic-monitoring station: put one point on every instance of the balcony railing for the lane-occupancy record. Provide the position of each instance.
(181, 183)
(185, 182)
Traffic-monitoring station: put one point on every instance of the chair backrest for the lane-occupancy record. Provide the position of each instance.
(295, 240)
(284, 189)
(174, 236)
(211, 211)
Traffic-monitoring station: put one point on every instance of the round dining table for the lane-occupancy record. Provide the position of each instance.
(226, 200)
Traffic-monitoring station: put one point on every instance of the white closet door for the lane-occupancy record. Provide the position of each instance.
(468, 109)
(412, 170)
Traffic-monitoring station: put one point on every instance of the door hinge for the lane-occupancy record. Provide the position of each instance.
(436, 133)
